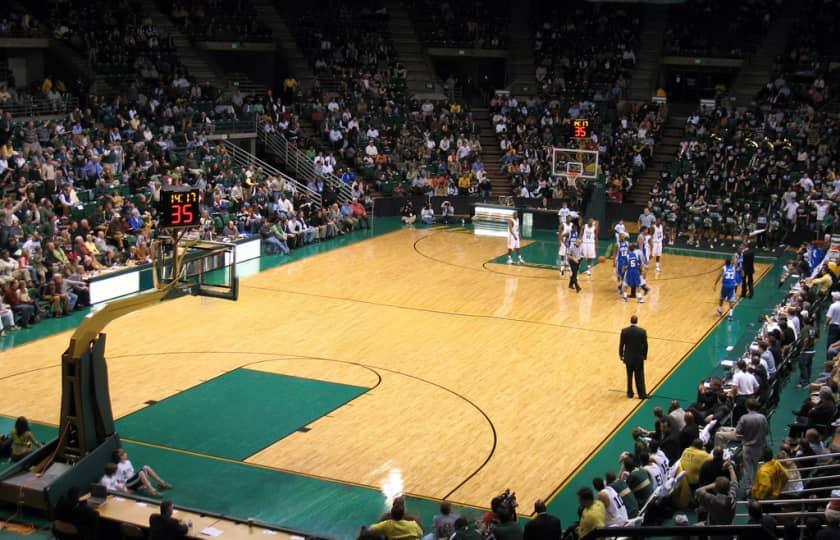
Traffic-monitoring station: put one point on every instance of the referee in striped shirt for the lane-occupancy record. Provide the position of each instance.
(573, 256)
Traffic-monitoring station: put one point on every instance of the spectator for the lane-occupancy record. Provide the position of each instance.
(163, 526)
(770, 478)
(752, 431)
(133, 480)
(718, 500)
(444, 523)
(427, 215)
(543, 526)
(397, 527)
(592, 512)
(23, 441)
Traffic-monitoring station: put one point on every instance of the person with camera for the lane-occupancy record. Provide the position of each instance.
(501, 522)
(718, 499)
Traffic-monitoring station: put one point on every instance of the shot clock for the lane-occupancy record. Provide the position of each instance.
(580, 128)
(179, 207)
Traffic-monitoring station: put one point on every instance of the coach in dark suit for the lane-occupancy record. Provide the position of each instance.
(747, 269)
(544, 526)
(633, 349)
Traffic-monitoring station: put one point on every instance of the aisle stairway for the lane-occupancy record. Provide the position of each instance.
(284, 40)
(663, 153)
(421, 80)
(490, 153)
(649, 56)
(521, 66)
(758, 69)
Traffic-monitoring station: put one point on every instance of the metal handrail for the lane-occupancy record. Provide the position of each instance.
(816, 456)
(789, 501)
(30, 107)
(244, 158)
(297, 161)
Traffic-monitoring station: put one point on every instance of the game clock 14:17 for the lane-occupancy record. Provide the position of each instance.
(179, 207)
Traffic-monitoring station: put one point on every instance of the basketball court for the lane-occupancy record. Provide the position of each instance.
(413, 357)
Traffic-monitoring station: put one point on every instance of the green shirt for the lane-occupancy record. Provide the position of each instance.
(639, 482)
(508, 531)
(626, 494)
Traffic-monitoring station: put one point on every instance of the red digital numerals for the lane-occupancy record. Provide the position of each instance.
(181, 214)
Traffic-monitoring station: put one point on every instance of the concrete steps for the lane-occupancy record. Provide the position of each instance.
(420, 78)
(490, 153)
(663, 155)
(284, 40)
(758, 69)
(521, 65)
(649, 56)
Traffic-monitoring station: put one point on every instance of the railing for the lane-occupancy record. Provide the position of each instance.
(243, 158)
(245, 126)
(41, 106)
(277, 144)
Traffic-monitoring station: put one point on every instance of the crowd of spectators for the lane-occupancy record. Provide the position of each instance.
(369, 131)
(700, 458)
(119, 42)
(20, 25)
(771, 166)
(79, 193)
(718, 28)
(585, 56)
(463, 25)
(217, 20)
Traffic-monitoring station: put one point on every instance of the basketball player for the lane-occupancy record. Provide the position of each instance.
(633, 275)
(729, 285)
(513, 239)
(622, 250)
(616, 511)
(587, 245)
(658, 238)
(619, 230)
(563, 214)
(644, 245)
(564, 238)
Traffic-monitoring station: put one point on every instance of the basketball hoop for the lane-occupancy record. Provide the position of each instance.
(571, 178)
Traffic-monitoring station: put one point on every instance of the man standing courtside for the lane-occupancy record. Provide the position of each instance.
(633, 349)
(747, 270)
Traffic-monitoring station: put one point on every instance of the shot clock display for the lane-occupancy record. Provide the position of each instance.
(179, 207)
(580, 128)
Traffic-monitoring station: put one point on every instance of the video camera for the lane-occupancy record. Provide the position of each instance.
(504, 505)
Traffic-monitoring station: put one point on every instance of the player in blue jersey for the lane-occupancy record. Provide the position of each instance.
(729, 285)
(633, 275)
(622, 251)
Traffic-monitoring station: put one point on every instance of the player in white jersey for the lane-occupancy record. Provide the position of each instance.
(658, 239)
(563, 214)
(619, 230)
(563, 236)
(587, 246)
(644, 246)
(616, 515)
(513, 239)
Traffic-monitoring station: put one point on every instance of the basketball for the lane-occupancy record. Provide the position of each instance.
(601, 259)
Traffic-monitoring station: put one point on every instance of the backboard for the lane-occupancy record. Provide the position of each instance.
(573, 160)
(201, 267)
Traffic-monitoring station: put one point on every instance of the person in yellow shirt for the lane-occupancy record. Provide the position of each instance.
(398, 528)
(770, 478)
(593, 515)
(464, 183)
(691, 461)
